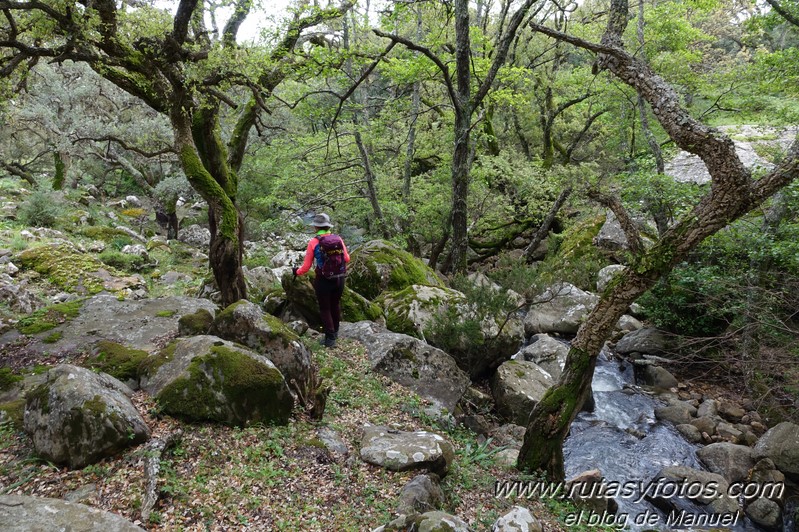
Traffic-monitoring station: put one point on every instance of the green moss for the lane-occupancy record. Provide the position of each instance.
(8, 378)
(15, 410)
(575, 258)
(379, 266)
(149, 366)
(39, 397)
(50, 317)
(195, 323)
(95, 405)
(355, 307)
(117, 360)
(253, 391)
(53, 338)
(66, 268)
(166, 313)
(103, 233)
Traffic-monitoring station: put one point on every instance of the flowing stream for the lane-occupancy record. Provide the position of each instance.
(622, 439)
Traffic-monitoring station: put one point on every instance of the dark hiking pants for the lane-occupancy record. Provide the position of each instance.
(328, 294)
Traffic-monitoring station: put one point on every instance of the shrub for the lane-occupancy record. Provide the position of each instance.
(41, 209)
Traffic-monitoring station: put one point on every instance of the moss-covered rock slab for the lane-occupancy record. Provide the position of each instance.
(199, 322)
(74, 271)
(117, 360)
(378, 266)
(78, 417)
(205, 378)
(244, 322)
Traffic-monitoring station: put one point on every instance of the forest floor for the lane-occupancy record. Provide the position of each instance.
(279, 477)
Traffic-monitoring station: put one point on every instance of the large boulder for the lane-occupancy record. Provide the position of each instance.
(607, 274)
(518, 519)
(731, 461)
(78, 417)
(647, 341)
(431, 313)
(260, 281)
(549, 353)
(205, 378)
(517, 387)
(302, 303)
(781, 445)
(244, 322)
(195, 235)
(378, 266)
(561, 308)
(397, 450)
(427, 370)
(23, 513)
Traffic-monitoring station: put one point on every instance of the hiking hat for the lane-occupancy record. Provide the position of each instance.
(321, 220)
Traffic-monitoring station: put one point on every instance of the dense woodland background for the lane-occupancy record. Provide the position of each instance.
(467, 148)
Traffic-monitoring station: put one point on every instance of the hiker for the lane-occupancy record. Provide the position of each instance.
(329, 254)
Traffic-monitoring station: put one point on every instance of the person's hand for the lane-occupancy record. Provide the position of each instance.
(294, 271)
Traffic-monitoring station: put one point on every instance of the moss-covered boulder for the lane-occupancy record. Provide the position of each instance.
(74, 271)
(244, 322)
(299, 293)
(205, 378)
(517, 387)
(119, 361)
(379, 266)
(478, 339)
(260, 282)
(78, 417)
(199, 322)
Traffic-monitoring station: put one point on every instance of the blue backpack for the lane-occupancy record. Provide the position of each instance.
(329, 255)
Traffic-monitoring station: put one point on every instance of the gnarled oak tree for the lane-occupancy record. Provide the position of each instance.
(181, 69)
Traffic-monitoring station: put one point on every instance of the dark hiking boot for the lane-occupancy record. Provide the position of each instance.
(330, 340)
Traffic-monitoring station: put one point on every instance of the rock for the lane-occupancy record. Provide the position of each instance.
(729, 432)
(507, 458)
(133, 201)
(677, 412)
(657, 377)
(17, 297)
(585, 491)
(549, 353)
(118, 361)
(731, 411)
(765, 513)
(78, 417)
(476, 423)
(287, 258)
(781, 445)
(404, 451)
(195, 235)
(423, 311)
(706, 424)
(438, 522)
(244, 322)
(421, 494)
(647, 341)
(379, 266)
(517, 387)
(197, 323)
(766, 473)
(260, 282)
(205, 378)
(480, 280)
(428, 371)
(170, 278)
(731, 461)
(627, 324)
(518, 519)
(606, 274)
(708, 407)
(716, 499)
(23, 513)
(561, 308)
(611, 236)
(137, 250)
(333, 443)
(509, 435)
(689, 432)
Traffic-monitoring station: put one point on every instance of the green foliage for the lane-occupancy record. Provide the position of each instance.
(123, 261)
(8, 378)
(42, 208)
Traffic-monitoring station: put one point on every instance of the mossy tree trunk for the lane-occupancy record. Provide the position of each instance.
(733, 193)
